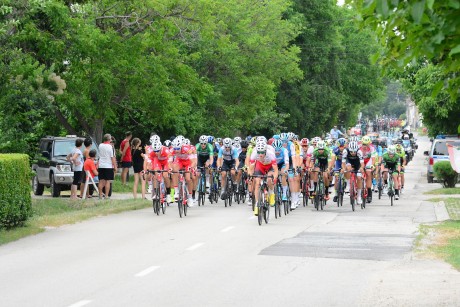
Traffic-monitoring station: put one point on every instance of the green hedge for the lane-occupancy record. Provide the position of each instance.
(15, 198)
(444, 172)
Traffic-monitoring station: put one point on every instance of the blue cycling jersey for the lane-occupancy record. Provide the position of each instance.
(282, 156)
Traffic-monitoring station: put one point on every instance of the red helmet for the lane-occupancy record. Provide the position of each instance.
(304, 142)
(270, 141)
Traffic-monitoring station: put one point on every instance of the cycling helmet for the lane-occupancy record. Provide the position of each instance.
(284, 137)
(341, 142)
(406, 137)
(219, 140)
(236, 145)
(277, 144)
(399, 148)
(261, 139)
(253, 141)
(154, 138)
(244, 144)
(177, 143)
(353, 146)
(315, 140)
(203, 139)
(227, 142)
(354, 139)
(261, 147)
(296, 137)
(291, 136)
(186, 142)
(270, 141)
(180, 137)
(329, 142)
(375, 142)
(304, 142)
(248, 138)
(320, 145)
(156, 146)
(237, 139)
(210, 139)
(366, 140)
(391, 150)
(276, 136)
(167, 143)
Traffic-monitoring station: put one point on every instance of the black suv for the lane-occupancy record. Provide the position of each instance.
(51, 169)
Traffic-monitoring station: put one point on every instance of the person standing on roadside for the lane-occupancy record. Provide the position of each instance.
(335, 133)
(138, 166)
(92, 169)
(87, 142)
(76, 158)
(107, 164)
(126, 158)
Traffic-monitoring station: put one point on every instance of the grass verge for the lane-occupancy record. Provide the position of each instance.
(443, 240)
(445, 191)
(57, 212)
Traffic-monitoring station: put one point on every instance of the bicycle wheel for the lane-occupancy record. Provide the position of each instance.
(180, 199)
(244, 190)
(278, 200)
(289, 200)
(230, 193)
(260, 205)
(163, 205)
(322, 194)
(339, 186)
(156, 201)
(352, 194)
(266, 211)
(363, 198)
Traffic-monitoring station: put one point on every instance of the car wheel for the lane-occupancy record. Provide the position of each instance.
(430, 179)
(55, 188)
(37, 187)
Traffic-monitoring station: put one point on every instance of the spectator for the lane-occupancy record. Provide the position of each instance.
(126, 159)
(88, 142)
(138, 166)
(91, 167)
(335, 133)
(107, 165)
(76, 158)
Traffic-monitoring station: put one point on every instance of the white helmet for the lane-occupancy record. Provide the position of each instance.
(156, 146)
(186, 142)
(315, 140)
(227, 142)
(236, 145)
(167, 143)
(203, 139)
(261, 147)
(406, 137)
(353, 146)
(177, 143)
(261, 139)
(181, 138)
(320, 145)
(354, 139)
(392, 150)
(291, 136)
(154, 138)
(237, 139)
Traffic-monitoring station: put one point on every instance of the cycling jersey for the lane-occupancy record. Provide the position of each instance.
(354, 160)
(282, 157)
(242, 158)
(297, 148)
(228, 154)
(337, 153)
(265, 163)
(204, 154)
(159, 159)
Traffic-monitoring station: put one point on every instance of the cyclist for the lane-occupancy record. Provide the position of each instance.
(242, 160)
(182, 161)
(402, 160)
(227, 159)
(282, 161)
(391, 163)
(297, 161)
(337, 162)
(263, 162)
(289, 145)
(205, 157)
(368, 152)
(159, 157)
(321, 159)
(352, 160)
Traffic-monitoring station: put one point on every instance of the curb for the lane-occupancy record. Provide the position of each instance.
(441, 212)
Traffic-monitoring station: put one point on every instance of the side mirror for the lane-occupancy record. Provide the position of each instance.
(426, 153)
(46, 154)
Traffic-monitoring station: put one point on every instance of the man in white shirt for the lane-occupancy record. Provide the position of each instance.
(107, 164)
(335, 133)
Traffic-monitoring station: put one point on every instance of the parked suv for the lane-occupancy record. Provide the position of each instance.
(438, 152)
(51, 169)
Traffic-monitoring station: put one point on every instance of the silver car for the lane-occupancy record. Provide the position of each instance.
(438, 152)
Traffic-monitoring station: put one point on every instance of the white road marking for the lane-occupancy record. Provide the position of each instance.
(147, 271)
(81, 303)
(195, 246)
(227, 229)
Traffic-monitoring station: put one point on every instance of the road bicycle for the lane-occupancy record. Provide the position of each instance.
(278, 196)
(320, 191)
(182, 190)
(353, 189)
(341, 186)
(391, 186)
(229, 190)
(215, 186)
(159, 193)
(202, 185)
(305, 184)
(263, 204)
(240, 193)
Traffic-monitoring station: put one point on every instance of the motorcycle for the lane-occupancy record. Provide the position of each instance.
(408, 150)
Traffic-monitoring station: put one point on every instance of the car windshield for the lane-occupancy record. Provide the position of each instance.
(64, 147)
(440, 148)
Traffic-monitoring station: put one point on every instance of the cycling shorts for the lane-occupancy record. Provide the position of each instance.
(160, 165)
(228, 165)
(261, 169)
(183, 164)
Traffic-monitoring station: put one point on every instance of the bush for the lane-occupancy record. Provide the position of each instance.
(15, 198)
(444, 172)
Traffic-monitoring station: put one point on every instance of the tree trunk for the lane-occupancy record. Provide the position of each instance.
(98, 130)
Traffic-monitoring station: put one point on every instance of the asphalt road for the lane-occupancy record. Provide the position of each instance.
(219, 256)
